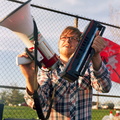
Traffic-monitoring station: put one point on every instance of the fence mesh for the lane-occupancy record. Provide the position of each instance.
(50, 24)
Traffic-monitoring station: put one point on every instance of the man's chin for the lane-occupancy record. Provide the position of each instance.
(66, 53)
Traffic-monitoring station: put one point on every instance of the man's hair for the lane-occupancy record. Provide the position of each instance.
(71, 30)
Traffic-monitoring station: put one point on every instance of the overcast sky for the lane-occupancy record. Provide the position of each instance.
(94, 9)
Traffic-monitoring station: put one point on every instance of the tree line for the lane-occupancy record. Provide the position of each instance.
(12, 96)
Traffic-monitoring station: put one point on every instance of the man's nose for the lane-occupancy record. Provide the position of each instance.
(68, 39)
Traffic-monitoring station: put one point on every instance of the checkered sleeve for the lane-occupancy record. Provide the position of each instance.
(43, 90)
(100, 79)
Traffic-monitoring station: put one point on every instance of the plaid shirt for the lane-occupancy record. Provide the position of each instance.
(72, 101)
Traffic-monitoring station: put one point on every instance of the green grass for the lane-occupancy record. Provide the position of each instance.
(19, 112)
(28, 113)
(99, 114)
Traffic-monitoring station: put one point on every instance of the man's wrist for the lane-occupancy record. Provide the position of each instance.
(97, 62)
(29, 92)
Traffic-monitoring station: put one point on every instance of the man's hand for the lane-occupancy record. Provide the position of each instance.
(98, 45)
(30, 74)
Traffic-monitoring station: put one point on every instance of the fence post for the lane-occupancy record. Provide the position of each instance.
(76, 22)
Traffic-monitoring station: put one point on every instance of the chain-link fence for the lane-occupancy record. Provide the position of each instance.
(50, 23)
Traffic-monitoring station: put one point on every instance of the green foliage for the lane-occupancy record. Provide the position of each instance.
(13, 97)
(3, 96)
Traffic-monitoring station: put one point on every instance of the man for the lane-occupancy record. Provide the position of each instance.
(72, 101)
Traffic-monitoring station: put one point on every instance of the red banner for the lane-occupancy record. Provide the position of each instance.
(111, 57)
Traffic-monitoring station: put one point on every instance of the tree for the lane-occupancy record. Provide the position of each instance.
(3, 97)
(13, 96)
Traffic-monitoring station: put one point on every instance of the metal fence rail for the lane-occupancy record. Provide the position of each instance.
(50, 23)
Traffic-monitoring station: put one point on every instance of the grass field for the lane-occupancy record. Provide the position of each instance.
(99, 114)
(27, 113)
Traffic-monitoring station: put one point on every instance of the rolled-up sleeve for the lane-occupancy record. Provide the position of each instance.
(101, 79)
(29, 99)
(43, 91)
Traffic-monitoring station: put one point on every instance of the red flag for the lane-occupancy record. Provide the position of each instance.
(111, 57)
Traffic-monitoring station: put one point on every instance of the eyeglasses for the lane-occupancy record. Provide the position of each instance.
(64, 38)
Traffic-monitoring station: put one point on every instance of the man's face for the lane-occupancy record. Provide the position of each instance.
(68, 44)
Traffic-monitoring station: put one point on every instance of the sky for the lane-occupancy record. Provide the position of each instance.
(93, 9)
